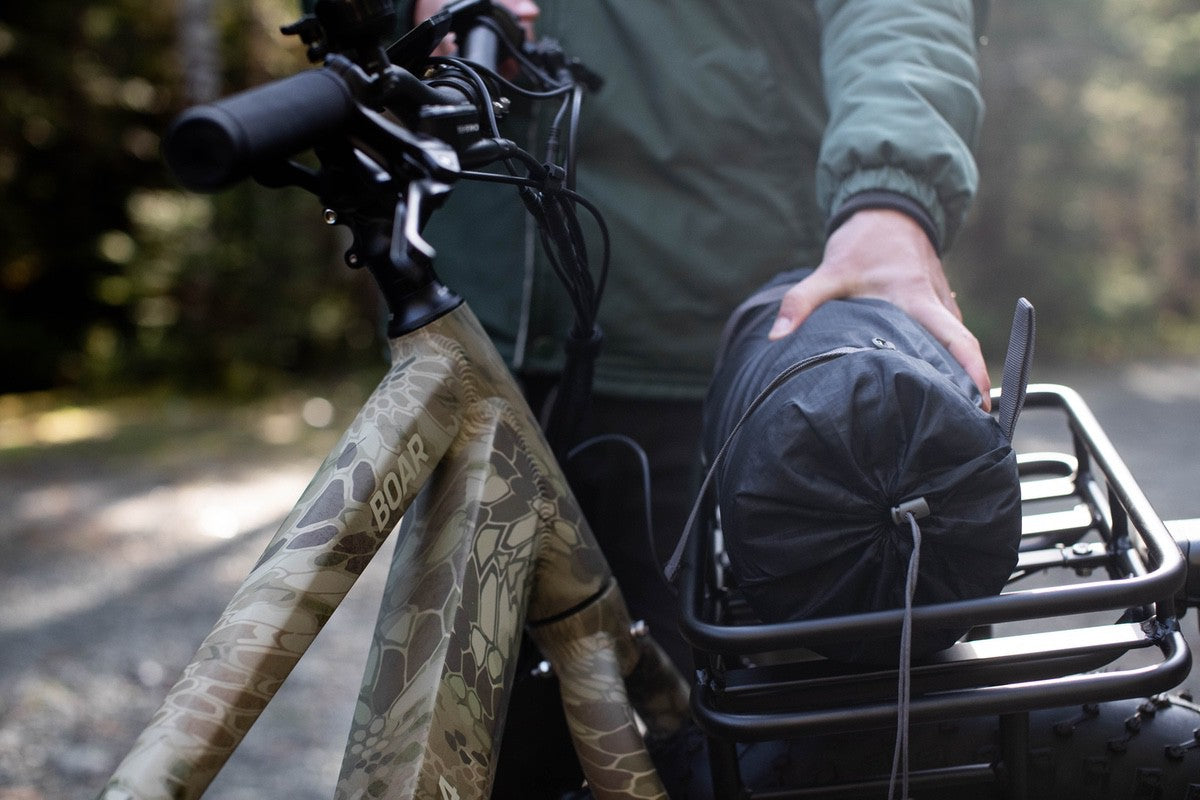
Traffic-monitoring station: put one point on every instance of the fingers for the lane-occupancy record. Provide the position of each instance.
(941, 318)
(947, 328)
(800, 301)
(885, 254)
(527, 12)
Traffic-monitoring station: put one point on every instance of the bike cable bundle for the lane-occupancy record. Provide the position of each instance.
(547, 190)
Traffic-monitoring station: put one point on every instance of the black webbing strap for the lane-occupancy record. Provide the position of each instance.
(672, 566)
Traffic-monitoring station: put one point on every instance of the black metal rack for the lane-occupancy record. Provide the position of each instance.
(757, 682)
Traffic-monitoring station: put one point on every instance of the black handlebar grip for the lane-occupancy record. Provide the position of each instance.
(212, 146)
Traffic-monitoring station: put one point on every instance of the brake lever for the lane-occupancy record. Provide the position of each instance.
(426, 155)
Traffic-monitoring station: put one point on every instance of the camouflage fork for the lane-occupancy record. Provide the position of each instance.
(494, 543)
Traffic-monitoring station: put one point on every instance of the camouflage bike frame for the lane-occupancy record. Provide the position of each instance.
(494, 543)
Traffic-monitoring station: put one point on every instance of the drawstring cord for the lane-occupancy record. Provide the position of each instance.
(904, 682)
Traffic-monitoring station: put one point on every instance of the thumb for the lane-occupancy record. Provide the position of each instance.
(800, 301)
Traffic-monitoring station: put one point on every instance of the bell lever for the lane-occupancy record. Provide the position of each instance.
(409, 249)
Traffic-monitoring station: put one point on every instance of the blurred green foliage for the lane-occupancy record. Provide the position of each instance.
(1089, 179)
(111, 276)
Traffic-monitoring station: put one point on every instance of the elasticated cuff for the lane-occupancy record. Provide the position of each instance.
(883, 198)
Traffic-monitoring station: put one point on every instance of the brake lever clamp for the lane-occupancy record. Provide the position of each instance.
(309, 29)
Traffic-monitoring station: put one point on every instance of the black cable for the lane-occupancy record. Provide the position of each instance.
(472, 71)
(606, 246)
(515, 52)
(496, 177)
(563, 230)
(554, 134)
(502, 82)
(579, 261)
(551, 244)
(483, 97)
(460, 84)
(549, 196)
(573, 135)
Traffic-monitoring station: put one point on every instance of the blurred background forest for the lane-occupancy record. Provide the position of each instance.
(112, 278)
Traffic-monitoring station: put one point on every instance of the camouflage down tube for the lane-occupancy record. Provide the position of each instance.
(498, 536)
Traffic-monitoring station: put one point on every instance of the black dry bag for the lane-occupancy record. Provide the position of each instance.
(808, 483)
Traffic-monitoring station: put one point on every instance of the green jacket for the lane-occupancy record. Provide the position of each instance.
(727, 134)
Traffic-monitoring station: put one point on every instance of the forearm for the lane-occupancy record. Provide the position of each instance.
(902, 87)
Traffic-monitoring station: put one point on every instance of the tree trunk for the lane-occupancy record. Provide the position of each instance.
(198, 51)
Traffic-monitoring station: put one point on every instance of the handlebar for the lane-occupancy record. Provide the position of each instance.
(212, 146)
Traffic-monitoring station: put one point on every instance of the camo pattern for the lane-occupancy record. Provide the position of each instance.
(479, 540)
(592, 651)
(433, 697)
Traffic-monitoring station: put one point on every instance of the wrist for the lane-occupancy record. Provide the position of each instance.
(885, 199)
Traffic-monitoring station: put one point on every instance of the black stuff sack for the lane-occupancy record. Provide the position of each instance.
(868, 413)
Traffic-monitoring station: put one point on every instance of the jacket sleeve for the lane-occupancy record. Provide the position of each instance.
(902, 89)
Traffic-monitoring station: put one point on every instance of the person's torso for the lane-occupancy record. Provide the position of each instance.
(699, 151)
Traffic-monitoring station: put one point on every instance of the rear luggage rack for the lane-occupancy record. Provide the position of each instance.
(1082, 514)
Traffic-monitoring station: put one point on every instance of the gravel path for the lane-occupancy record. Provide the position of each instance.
(127, 526)
(117, 555)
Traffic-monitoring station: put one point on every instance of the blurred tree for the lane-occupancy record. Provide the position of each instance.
(109, 274)
(199, 52)
(82, 103)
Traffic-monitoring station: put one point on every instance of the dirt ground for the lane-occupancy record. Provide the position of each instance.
(127, 525)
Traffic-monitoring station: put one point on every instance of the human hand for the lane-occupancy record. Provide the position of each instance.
(885, 254)
(527, 12)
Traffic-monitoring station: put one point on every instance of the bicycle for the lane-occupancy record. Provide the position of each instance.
(496, 543)
(497, 540)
